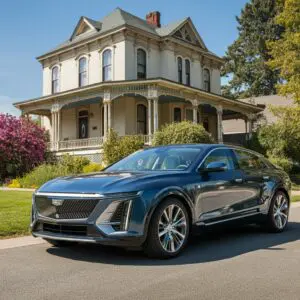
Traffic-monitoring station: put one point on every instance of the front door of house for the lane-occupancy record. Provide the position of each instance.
(83, 125)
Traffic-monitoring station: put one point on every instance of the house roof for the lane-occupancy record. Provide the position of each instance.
(116, 19)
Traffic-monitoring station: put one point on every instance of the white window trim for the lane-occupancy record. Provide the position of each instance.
(87, 56)
(136, 106)
(184, 81)
(137, 47)
(183, 68)
(112, 49)
(79, 109)
(59, 78)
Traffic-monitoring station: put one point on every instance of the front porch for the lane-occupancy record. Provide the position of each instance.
(79, 120)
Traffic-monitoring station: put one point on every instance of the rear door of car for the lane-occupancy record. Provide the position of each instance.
(219, 194)
(255, 176)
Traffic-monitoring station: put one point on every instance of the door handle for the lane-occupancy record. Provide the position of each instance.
(238, 180)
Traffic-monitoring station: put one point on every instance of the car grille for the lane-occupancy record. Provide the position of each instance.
(65, 208)
(65, 229)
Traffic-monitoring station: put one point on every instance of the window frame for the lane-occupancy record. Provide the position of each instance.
(139, 64)
(206, 81)
(81, 73)
(187, 64)
(179, 69)
(107, 66)
(177, 108)
(57, 80)
(139, 121)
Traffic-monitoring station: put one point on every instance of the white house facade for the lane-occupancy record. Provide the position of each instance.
(132, 75)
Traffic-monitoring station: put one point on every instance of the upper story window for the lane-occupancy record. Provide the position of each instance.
(55, 80)
(206, 80)
(141, 64)
(179, 69)
(83, 71)
(187, 72)
(106, 65)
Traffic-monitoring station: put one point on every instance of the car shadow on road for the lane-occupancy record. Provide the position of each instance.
(212, 245)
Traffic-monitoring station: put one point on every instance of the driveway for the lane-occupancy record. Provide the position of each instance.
(244, 263)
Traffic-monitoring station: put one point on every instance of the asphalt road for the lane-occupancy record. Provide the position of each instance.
(245, 263)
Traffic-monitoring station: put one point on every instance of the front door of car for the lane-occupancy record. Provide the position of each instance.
(220, 191)
(255, 177)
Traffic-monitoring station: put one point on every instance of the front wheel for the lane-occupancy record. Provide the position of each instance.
(278, 213)
(168, 230)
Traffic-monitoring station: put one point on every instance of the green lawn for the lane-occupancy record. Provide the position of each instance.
(15, 208)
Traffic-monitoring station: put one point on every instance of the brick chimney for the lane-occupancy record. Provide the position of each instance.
(153, 18)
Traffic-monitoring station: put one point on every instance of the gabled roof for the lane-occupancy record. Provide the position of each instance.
(84, 25)
(118, 18)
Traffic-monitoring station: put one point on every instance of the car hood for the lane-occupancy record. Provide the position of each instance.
(105, 182)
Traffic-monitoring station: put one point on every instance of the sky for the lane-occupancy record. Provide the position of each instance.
(29, 28)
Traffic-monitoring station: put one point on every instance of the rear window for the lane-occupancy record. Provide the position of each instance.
(249, 161)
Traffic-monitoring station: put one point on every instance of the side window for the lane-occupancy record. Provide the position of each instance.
(249, 161)
(222, 155)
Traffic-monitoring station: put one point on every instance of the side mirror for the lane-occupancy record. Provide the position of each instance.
(216, 166)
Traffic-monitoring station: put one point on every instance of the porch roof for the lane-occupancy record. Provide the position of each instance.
(142, 87)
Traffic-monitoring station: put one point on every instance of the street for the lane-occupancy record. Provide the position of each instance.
(244, 263)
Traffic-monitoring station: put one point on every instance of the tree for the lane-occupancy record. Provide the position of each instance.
(182, 133)
(245, 60)
(285, 51)
(22, 145)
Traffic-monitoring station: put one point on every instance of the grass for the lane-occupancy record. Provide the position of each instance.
(15, 208)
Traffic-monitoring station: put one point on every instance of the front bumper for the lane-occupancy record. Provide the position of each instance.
(97, 227)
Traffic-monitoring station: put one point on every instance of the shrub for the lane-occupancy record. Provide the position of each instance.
(22, 145)
(15, 183)
(73, 164)
(182, 133)
(92, 167)
(116, 148)
(282, 162)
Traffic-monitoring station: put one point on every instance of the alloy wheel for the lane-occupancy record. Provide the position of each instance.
(280, 211)
(172, 229)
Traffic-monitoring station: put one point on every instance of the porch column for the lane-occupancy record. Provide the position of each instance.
(105, 119)
(149, 118)
(155, 109)
(195, 109)
(58, 126)
(52, 128)
(109, 115)
(249, 125)
(219, 123)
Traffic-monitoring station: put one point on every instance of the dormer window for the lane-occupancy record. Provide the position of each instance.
(55, 80)
(187, 72)
(179, 69)
(82, 71)
(141, 64)
(206, 80)
(106, 65)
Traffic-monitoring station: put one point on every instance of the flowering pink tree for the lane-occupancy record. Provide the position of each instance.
(22, 145)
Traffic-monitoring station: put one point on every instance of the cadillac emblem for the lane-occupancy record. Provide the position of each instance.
(57, 202)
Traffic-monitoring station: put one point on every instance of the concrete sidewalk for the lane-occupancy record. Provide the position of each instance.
(16, 189)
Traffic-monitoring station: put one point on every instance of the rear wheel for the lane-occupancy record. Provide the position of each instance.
(278, 213)
(168, 230)
(57, 243)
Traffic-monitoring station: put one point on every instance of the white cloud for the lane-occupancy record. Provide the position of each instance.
(6, 106)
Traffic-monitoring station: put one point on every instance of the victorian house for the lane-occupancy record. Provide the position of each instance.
(133, 75)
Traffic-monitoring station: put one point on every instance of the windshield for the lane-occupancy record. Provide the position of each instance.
(158, 159)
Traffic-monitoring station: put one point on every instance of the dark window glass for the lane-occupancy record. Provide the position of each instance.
(82, 71)
(83, 123)
(179, 67)
(219, 155)
(177, 114)
(55, 80)
(187, 72)
(206, 124)
(141, 64)
(141, 119)
(206, 80)
(248, 160)
(106, 65)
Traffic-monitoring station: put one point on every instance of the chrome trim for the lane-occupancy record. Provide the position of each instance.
(127, 215)
(64, 238)
(76, 195)
(234, 218)
(56, 221)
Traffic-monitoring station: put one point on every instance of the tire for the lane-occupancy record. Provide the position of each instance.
(167, 236)
(57, 243)
(277, 219)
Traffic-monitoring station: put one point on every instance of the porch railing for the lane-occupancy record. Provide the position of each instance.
(85, 143)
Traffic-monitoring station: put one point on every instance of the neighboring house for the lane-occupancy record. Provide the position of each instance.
(132, 75)
(235, 131)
